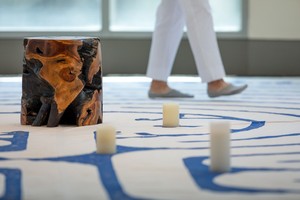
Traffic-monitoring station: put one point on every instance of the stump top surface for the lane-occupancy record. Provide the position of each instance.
(60, 38)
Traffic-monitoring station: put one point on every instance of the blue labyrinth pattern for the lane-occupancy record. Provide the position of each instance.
(153, 162)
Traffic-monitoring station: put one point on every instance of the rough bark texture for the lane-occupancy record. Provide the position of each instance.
(62, 81)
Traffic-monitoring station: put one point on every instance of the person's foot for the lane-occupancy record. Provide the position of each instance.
(171, 94)
(221, 88)
(160, 89)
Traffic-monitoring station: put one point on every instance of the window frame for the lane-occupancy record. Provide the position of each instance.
(105, 33)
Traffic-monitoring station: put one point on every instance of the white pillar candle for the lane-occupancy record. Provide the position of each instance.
(220, 146)
(170, 115)
(106, 139)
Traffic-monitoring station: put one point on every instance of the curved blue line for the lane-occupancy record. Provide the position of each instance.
(13, 189)
(105, 168)
(204, 178)
(18, 141)
(8, 113)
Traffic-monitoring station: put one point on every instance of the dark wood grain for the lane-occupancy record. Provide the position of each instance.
(62, 81)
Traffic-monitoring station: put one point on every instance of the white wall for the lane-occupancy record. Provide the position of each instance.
(274, 19)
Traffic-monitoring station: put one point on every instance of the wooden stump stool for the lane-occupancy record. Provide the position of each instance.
(62, 81)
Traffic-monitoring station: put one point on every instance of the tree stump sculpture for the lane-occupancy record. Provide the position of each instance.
(62, 81)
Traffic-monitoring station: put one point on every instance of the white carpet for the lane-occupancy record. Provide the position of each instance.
(155, 162)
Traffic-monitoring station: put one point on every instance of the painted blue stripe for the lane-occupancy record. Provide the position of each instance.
(253, 138)
(105, 168)
(13, 190)
(214, 105)
(205, 179)
(18, 141)
(9, 113)
(115, 190)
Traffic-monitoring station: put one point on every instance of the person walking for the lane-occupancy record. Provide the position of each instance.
(171, 18)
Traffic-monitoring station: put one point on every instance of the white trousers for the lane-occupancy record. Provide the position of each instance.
(171, 17)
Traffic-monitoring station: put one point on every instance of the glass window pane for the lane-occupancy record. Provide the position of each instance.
(227, 15)
(132, 15)
(139, 15)
(50, 15)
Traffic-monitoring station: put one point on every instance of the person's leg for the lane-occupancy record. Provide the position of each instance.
(202, 38)
(165, 41)
(203, 41)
